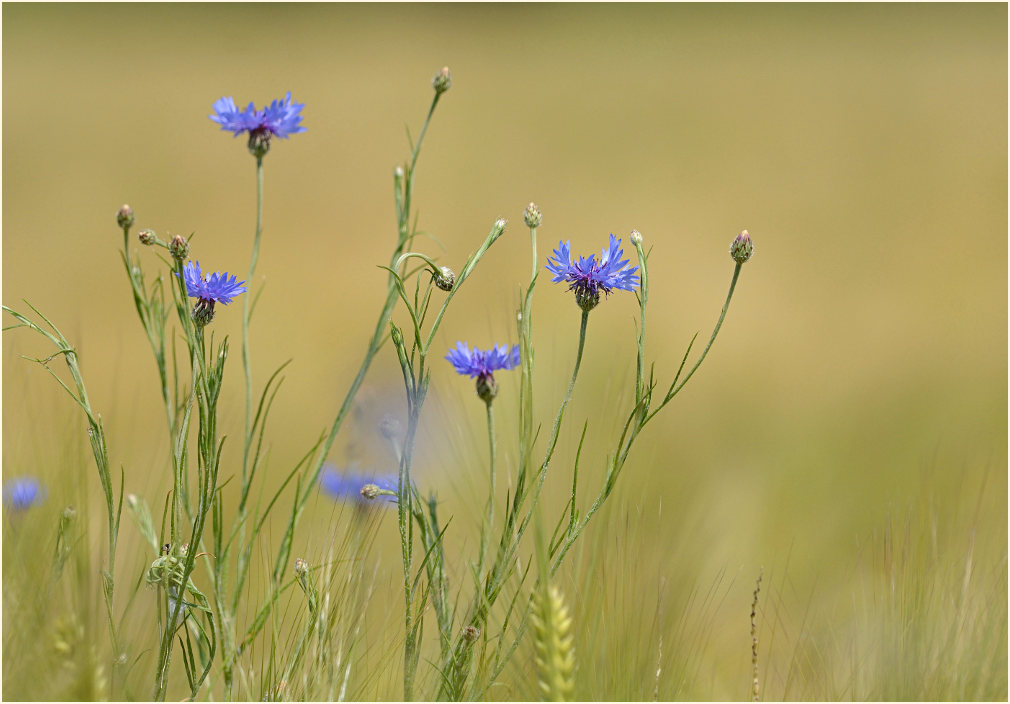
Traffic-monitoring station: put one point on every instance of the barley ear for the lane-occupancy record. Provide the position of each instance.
(555, 651)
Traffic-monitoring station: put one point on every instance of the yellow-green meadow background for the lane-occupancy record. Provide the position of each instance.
(854, 406)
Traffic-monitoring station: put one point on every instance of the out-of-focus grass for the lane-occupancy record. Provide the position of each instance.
(838, 435)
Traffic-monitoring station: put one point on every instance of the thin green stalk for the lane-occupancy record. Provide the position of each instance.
(246, 362)
(488, 526)
(722, 315)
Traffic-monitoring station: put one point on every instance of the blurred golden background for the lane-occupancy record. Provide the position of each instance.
(861, 371)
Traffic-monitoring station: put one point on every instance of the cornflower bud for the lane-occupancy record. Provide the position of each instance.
(532, 216)
(301, 568)
(635, 237)
(444, 278)
(370, 491)
(124, 217)
(742, 248)
(147, 237)
(471, 633)
(179, 247)
(442, 80)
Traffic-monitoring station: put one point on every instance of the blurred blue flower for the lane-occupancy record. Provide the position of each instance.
(478, 363)
(347, 487)
(280, 118)
(21, 493)
(588, 277)
(482, 365)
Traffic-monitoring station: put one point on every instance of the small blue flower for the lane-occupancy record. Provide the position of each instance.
(347, 487)
(280, 118)
(482, 365)
(587, 277)
(209, 289)
(21, 493)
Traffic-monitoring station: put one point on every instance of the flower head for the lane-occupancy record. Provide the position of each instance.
(209, 289)
(347, 487)
(587, 277)
(22, 493)
(482, 365)
(280, 118)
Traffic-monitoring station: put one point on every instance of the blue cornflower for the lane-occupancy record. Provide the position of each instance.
(482, 365)
(587, 277)
(209, 289)
(348, 487)
(280, 119)
(21, 493)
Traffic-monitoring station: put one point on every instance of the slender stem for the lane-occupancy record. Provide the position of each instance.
(246, 362)
(568, 397)
(715, 332)
(488, 527)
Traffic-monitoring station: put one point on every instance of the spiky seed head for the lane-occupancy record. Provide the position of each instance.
(635, 237)
(532, 216)
(445, 278)
(124, 217)
(742, 248)
(442, 80)
(147, 237)
(179, 247)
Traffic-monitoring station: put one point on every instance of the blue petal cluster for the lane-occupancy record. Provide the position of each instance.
(211, 288)
(347, 487)
(22, 493)
(478, 363)
(588, 277)
(280, 118)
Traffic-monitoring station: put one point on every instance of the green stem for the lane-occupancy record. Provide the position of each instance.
(487, 528)
(246, 363)
(722, 315)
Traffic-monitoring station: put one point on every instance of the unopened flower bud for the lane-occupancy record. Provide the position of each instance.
(124, 217)
(147, 237)
(742, 248)
(444, 278)
(487, 387)
(301, 568)
(69, 513)
(442, 80)
(179, 247)
(635, 237)
(398, 173)
(370, 491)
(259, 143)
(532, 216)
(471, 633)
